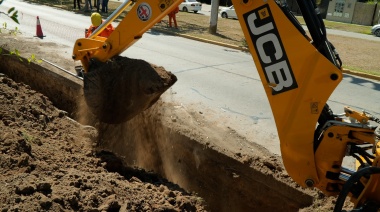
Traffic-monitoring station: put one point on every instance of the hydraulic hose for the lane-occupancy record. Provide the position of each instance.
(350, 183)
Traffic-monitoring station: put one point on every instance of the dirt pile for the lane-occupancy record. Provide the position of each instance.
(47, 163)
(121, 88)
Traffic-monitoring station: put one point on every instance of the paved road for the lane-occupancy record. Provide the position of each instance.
(211, 78)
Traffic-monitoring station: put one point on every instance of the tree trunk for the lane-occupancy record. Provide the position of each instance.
(213, 16)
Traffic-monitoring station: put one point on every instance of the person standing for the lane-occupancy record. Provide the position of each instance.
(99, 3)
(88, 3)
(96, 21)
(172, 17)
(75, 4)
(105, 6)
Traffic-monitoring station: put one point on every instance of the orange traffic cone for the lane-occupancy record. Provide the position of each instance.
(39, 29)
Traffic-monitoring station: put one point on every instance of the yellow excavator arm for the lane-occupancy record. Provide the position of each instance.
(299, 70)
(140, 18)
(297, 79)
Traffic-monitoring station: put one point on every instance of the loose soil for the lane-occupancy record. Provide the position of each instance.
(48, 163)
(51, 162)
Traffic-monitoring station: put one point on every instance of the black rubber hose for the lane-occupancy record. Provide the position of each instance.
(363, 153)
(350, 183)
(293, 19)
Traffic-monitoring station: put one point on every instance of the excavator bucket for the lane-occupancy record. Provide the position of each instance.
(119, 89)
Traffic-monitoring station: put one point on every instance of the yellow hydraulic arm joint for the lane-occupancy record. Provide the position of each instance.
(360, 117)
(140, 18)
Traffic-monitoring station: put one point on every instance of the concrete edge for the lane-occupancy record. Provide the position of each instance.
(359, 74)
(203, 40)
(345, 71)
(215, 42)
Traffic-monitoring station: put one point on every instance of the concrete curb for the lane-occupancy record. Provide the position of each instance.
(202, 40)
(364, 75)
(214, 42)
(345, 71)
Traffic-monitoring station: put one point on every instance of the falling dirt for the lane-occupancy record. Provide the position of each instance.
(51, 162)
(121, 88)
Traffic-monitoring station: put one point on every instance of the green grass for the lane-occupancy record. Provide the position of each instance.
(342, 26)
(355, 69)
(27, 137)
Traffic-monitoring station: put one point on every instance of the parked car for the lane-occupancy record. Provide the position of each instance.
(228, 12)
(190, 5)
(376, 30)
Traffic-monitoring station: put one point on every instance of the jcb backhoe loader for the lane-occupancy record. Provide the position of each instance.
(299, 71)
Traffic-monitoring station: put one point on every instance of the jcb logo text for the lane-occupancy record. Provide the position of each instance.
(270, 50)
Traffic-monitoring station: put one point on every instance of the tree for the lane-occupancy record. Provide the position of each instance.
(12, 13)
(213, 16)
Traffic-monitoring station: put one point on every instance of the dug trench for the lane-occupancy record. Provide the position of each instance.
(174, 142)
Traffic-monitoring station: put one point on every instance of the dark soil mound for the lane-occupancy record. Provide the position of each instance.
(47, 163)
